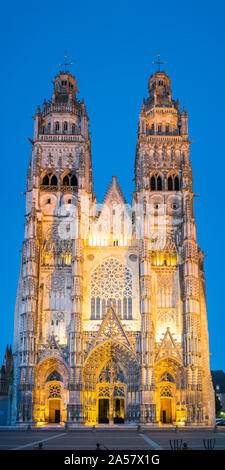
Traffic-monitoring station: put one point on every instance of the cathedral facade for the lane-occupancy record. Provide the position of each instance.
(110, 317)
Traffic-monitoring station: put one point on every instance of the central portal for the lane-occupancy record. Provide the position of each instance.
(111, 411)
(103, 410)
(107, 375)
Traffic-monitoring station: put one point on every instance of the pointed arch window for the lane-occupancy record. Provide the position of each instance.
(156, 183)
(70, 180)
(46, 180)
(173, 183)
(54, 376)
(54, 180)
(50, 180)
(159, 183)
(176, 183)
(73, 180)
(66, 181)
(152, 184)
(170, 184)
(166, 377)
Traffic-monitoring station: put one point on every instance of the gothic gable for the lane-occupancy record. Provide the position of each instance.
(168, 347)
(113, 219)
(52, 349)
(111, 328)
(114, 193)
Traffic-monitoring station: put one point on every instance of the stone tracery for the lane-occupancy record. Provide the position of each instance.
(111, 280)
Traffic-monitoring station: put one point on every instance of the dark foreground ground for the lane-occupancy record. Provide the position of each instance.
(110, 439)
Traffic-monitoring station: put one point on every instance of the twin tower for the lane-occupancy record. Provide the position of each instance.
(110, 317)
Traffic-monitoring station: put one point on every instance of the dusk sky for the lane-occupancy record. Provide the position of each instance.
(112, 46)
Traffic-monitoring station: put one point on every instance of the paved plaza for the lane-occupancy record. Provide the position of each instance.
(110, 439)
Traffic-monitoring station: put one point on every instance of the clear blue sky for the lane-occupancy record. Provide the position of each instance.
(112, 45)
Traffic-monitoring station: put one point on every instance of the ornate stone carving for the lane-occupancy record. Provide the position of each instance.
(111, 279)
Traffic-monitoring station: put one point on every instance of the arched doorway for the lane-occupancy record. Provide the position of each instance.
(54, 385)
(169, 382)
(51, 389)
(166, 404)
(111, 381)
(111, 392)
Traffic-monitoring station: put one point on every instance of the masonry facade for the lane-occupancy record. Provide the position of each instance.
(110, 317)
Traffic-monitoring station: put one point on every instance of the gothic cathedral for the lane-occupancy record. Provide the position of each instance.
(110, 316)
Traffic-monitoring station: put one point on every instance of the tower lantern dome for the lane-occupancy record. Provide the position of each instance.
(160, 112)
(159, 79)
(159, 88)
(65, 88)
(64, 114)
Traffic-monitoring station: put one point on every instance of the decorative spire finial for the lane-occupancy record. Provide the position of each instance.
(66, 63)
(158, 62)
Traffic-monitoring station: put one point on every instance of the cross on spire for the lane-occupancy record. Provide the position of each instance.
(66, 63)
(158, 62)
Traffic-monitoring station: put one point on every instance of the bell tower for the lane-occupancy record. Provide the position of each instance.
(48, 305)
(176, 378)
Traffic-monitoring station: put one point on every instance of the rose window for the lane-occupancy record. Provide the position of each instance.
(111, 280)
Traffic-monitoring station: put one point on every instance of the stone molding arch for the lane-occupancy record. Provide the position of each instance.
(169, 378)
(67, 172)
(98, 358)
(106, 350)
(156, 179)
(51, 173)
(48, 365)
(46, 391)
